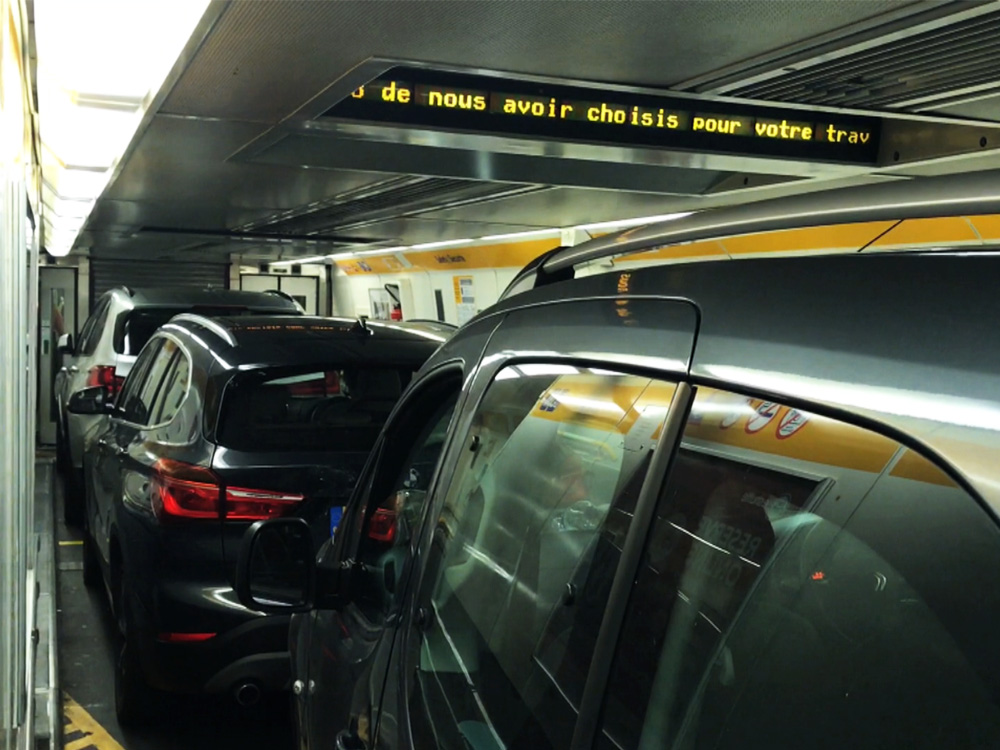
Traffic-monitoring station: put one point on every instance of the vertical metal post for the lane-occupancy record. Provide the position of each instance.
(18, 267)
(16, 457)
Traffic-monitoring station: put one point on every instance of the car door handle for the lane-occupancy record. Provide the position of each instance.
(347, 740)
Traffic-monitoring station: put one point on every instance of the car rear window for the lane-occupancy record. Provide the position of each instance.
(313, 409)
(135, 327)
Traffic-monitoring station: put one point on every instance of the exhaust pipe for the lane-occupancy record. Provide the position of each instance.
(247, 694)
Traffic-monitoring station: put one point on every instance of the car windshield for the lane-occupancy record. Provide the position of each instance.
(326, 408)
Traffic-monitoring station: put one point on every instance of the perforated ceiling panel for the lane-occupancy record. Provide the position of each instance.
(265, 59)
(907, 70)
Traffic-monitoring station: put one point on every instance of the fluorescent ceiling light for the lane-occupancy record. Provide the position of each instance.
(522, 235)
(445, 243)
(555, 232)
(626, 223)
(78, 184)
(298, 261)
(99, 64)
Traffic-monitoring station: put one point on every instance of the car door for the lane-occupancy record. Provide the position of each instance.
(77, 368)
(576, 421)
(806, 582)
(121, 458)
(340, 653)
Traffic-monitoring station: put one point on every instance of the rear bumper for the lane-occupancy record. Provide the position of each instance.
(255, 650)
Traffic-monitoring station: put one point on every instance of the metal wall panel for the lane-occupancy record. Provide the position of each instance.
(108, 273)
(16, 459)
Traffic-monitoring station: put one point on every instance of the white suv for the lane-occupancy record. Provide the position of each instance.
(122, 322)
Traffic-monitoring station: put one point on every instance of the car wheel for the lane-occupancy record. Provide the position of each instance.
(135, 701)
(73, 497)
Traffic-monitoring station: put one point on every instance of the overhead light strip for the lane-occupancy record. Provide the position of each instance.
(530, 234)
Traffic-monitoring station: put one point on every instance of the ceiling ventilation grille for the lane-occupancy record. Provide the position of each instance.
(389, 199)
(915, 72)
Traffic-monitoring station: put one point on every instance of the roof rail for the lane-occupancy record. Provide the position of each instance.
(285, 296)
(921, 198)
(431, 321)
(209, 324)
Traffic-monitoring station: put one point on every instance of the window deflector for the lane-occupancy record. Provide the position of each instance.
(654, 730)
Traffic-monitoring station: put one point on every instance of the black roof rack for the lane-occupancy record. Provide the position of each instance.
(921, 198)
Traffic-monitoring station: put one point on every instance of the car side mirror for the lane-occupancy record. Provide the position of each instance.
(276, 572)
(65, 344)
(92, 400)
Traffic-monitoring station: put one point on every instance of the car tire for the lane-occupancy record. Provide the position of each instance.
(135, 700)
(73, 497)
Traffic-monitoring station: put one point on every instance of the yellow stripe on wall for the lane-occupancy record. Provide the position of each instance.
(911, 233)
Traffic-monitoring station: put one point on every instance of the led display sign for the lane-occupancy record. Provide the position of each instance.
(573, 114)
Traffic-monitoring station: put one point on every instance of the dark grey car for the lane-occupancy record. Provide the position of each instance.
(714, 505)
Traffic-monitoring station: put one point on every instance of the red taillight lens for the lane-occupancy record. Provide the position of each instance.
(184, 637)
(258, 505)
(104, 375)
(181, 490)
(382, 526)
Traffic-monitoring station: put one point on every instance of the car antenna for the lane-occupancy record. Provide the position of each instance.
(362, 326)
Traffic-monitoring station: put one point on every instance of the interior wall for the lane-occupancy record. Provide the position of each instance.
(323, 303)
(351, 296)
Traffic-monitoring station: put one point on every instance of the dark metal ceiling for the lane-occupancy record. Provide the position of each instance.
(229, 146)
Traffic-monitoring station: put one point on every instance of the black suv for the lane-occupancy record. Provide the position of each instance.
(223, 422)
(122, 321)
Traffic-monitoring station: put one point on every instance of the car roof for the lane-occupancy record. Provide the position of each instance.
(189, 298)
(279, 340)
(905, 340)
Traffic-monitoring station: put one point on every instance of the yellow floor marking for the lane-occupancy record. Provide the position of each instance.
(72, 543)
(78, 720)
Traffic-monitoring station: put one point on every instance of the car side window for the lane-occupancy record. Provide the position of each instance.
(175, 388)
(130, 406)
(807, 583)
(408, 459)
(523, 553)
(91, 333)
(155, 380)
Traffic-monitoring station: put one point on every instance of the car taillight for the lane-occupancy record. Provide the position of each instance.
(104, 375)
(382, 526)
(182, 490)
(256, 505)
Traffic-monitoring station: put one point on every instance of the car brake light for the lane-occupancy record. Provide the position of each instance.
(182, 490)
(184, 637)
(382, 526)
(104, 375)
(257, 505)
